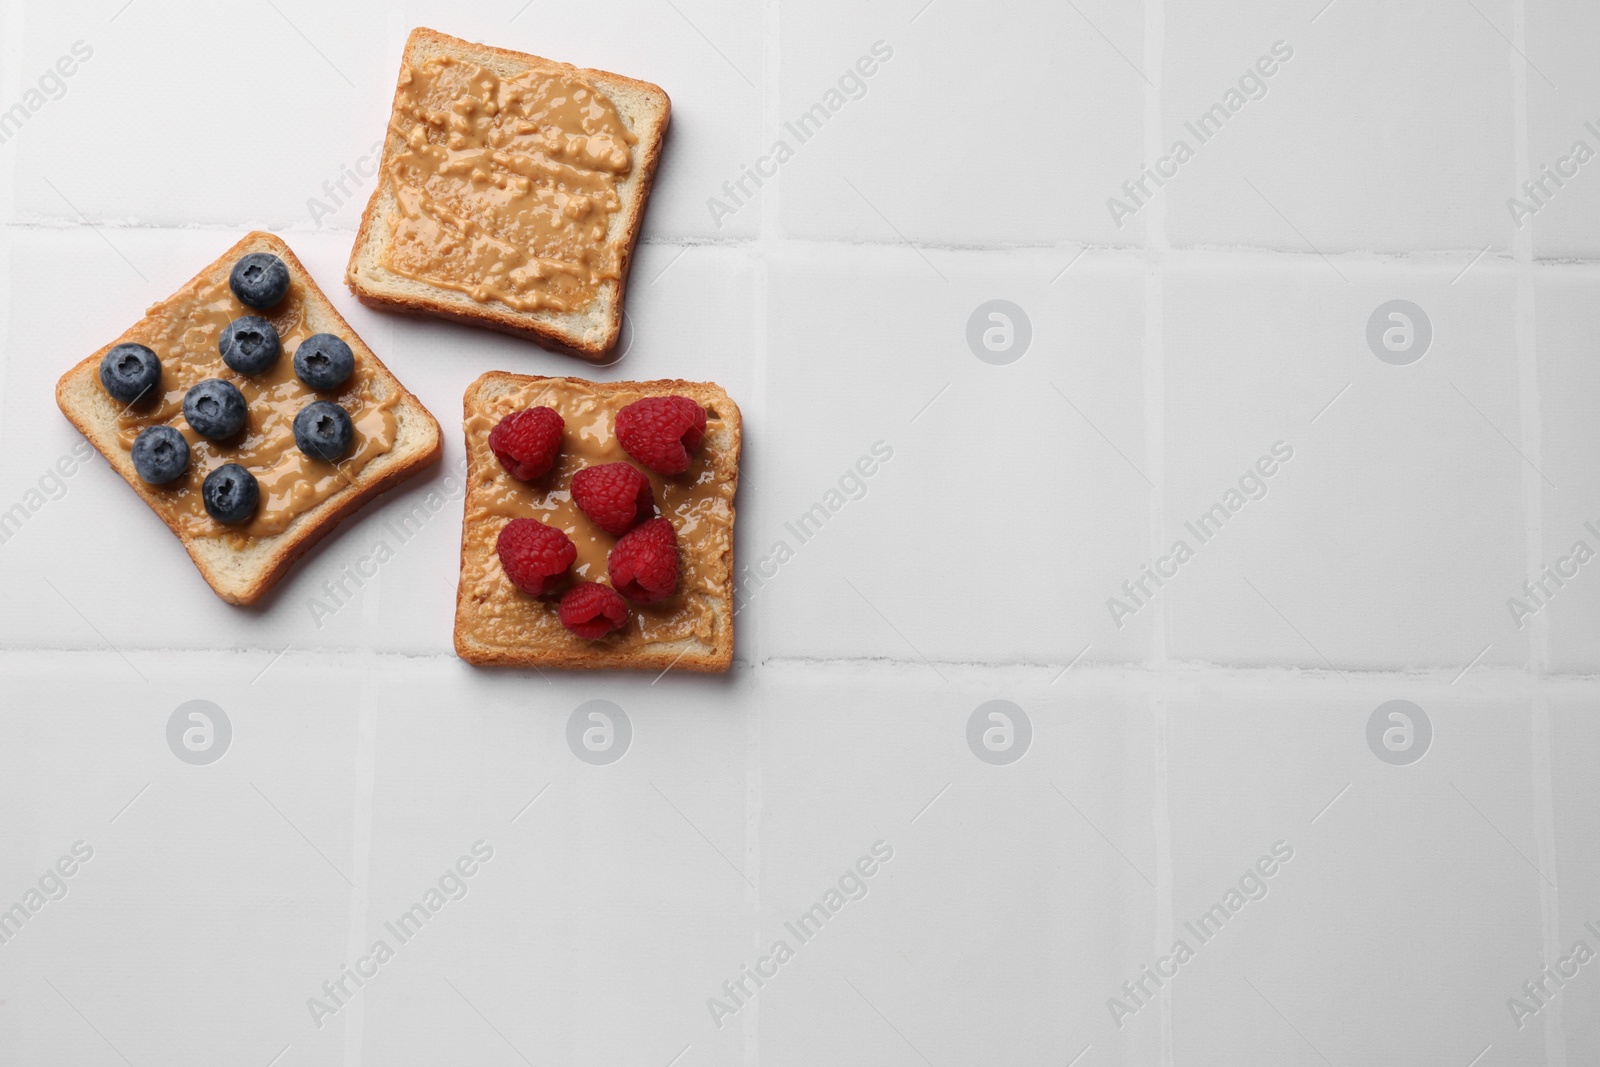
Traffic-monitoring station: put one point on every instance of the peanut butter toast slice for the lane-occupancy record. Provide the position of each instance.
(499, 624)
(510, 193)
(250, 429)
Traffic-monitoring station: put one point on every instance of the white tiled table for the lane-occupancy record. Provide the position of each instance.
(1225, 715)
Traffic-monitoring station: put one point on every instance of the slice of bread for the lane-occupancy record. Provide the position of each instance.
(590, 331)
(692, 630)
(240, 568)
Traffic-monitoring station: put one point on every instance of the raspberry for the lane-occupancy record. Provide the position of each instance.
(592, 610)
(533, 554)
(662, 432)
(527, 442)
(615, 495)
(644, 564)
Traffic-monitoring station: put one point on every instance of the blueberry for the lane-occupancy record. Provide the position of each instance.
(160, 454)
(215, 408)
(323, 430)
(129, 372)
(323, 361)
(231, 494)
(249, 344)
(259, 280)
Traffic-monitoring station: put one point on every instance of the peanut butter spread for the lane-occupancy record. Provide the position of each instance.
(506, 188)
(183, 332)
(698, 502)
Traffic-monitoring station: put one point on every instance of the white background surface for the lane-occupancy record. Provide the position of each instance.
(1166, 756)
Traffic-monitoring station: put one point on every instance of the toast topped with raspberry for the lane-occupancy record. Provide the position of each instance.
(598, 525)
(510, 193)
(249, 416)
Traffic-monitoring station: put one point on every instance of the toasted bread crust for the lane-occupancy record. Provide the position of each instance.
(503, 319)
(713, 659)
(310, 526)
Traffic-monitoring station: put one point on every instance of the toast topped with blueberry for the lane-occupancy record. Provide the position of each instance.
(510, 194)
(598, 525)
(249, 416)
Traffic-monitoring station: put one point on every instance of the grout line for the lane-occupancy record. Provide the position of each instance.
(1153, 349)
(1161, 831)
(754, 807)
(1533, 494)
(97, 231)
(1446, 258)
(361, 815)
(903, 238)
(1526, 339)
(896, 629)
(769, 236)
(1541, 771)
(1290, 222)
(96, 629)
(1153, 366)
(1505, 680)
(13, 25)
(1107, 255)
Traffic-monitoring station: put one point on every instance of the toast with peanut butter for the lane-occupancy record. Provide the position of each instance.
(510, 193)
(249, 416)
(498, 622)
